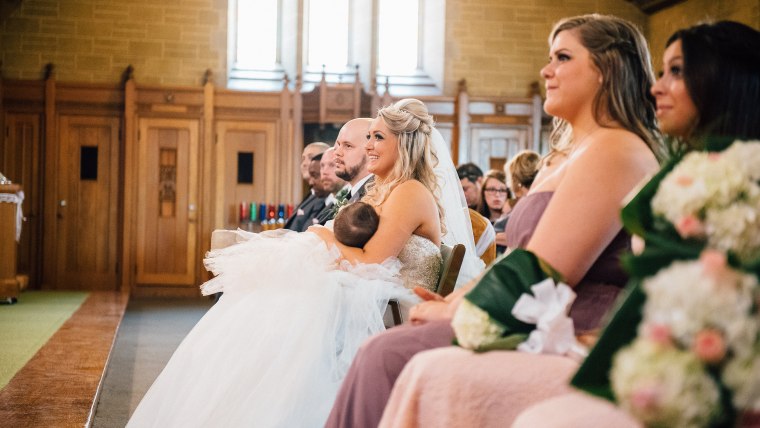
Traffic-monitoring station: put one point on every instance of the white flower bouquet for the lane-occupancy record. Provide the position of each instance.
(683, 349)
(698, 336)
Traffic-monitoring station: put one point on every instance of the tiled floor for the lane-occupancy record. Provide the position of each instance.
(58, 386)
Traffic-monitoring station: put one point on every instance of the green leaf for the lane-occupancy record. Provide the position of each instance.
(593, 375)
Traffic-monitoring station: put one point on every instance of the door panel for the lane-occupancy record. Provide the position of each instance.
(87, 211)
(242, 142)
(494, 145)
(167, 202)
(20, 162)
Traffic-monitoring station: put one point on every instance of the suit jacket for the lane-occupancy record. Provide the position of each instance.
(362, 190)
(305, 213)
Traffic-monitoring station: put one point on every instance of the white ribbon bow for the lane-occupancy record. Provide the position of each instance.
(548, 309)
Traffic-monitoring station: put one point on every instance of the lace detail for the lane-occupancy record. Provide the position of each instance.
(421, 263)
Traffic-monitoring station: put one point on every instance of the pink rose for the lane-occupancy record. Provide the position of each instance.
(646, 397)
(713, 263)
(709, 346)
(684, 180)
(715, 266)
(690, 226)
(659, 334)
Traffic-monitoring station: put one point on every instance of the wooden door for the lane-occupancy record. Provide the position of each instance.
(88, 203)
(493, 145)
(20, 162)
(167, 228)
(243, 174)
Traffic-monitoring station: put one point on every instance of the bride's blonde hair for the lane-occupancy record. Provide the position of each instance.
(410, 122)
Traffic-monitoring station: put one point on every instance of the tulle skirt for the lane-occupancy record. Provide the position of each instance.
(275, 348)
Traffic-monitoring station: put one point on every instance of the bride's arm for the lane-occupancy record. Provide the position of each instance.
(409, 208)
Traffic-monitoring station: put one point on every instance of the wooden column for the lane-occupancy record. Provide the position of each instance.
(208, 144)
(50, 202)
(463, 125)
(128, 264)
(9, 286)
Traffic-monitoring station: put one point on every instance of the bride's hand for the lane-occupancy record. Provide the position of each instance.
(426, 294)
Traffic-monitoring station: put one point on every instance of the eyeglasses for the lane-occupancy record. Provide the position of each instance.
(495, 190)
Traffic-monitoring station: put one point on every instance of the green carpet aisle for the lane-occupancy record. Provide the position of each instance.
(149, 333)
(28, 324)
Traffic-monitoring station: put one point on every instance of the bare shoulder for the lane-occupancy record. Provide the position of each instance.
(410, 189)
(616, 148)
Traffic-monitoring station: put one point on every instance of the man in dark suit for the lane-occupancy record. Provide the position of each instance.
(307, 210)
(351, 156)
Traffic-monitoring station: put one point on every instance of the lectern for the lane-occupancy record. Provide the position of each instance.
(10, 201)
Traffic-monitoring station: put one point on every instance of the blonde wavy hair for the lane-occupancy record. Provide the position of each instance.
(410, 122)
(620, 53)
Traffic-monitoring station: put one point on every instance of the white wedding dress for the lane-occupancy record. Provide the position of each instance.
(275, 348)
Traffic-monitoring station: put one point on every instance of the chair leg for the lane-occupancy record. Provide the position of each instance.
(396, 312)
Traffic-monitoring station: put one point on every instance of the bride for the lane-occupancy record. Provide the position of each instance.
(274, 350)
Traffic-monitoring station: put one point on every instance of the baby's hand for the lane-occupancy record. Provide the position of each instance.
(324, 233)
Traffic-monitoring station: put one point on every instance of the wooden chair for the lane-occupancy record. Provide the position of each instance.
(451, 262)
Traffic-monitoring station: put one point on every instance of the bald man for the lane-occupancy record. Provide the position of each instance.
(351, 156)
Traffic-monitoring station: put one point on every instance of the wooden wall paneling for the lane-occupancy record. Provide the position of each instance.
(20, 162)
(167, 202)
(50, 180)
(88, 202)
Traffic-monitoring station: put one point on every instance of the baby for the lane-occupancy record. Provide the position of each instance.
(355, 224)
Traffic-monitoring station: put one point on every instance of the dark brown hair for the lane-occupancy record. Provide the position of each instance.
(355, 224)
(721, 69)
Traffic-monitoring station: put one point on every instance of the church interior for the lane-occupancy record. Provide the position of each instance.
(133, 130)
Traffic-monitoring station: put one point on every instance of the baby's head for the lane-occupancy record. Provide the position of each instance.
(355, 224)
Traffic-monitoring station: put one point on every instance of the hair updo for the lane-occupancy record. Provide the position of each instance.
(410, 122)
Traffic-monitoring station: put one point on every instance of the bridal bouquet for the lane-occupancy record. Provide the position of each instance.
(683, 349)
(699, 335)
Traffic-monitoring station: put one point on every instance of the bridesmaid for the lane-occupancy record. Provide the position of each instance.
(710, 84)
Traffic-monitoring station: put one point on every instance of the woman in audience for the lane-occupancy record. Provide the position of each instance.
(710, 86)
(597, 83)
(274, 348)
(521, 170)
(493, 195)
